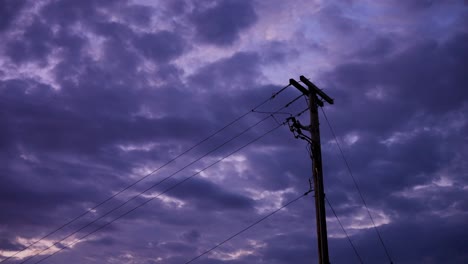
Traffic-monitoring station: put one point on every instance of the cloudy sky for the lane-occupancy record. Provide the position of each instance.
(95, 95)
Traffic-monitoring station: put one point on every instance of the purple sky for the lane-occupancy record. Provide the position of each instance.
(95, 95)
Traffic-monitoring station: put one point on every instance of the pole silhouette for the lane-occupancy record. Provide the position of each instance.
(313, 94)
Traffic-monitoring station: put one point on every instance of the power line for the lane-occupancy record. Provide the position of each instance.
(164, 192)
(147, 189)
(357, 187)
(156, 184)
(149, 174)
(247, 228)
(346, 233)
(265, 112)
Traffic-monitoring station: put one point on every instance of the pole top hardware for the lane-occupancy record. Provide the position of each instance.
(303, 90)
(316, 89)
(312, 87)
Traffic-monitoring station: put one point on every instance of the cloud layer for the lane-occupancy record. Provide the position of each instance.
(95, 95)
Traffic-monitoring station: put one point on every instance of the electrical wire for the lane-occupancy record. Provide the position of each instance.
(156, 184)
(149, 174)
(164, 192)
(265, 112)
(147, 189)
(344, 230)
(303, 111)
(247, 228)
(357, 187)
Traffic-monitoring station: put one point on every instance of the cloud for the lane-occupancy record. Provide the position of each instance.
(9, 10)
(231, 73)
(208, 196)
(405, 83)
(161, 46)
(221, 22)
(34, 44)
(95, 95)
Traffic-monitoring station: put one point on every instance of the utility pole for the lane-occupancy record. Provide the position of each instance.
(313, 92)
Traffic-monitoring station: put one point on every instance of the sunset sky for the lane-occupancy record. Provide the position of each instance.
(97, 94)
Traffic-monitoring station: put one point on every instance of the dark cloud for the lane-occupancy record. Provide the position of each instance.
(177, 7)
(88, 131)
(9, 245)
(275, 52)
(9, 10)
(178, 247)
(208, 196)
(113, 31)
(233, 72)
(420, 237)
(137, 14)
(407, 85)
(66, 13)
(412, 87)
(221, 23)
(417, 5)
(191, 236)
(161, 46)
(378, 48)
(292, 247)
(96, 94)
(34, 44)
(333, 20)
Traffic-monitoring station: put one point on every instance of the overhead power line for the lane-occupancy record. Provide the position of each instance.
(156, 184)
(357, 187)
(149, 174)
(344, 231)
(164, 192)
(148, 188)
(247, 228)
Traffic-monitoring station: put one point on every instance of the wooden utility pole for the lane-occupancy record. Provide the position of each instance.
(313, 92)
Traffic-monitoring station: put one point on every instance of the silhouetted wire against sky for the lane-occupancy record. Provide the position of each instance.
(150, 187)
(344, 231)
(357, 187)
(273, 96)
(95, 95)
(164, 192)
(247, 228)
(159, 182)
